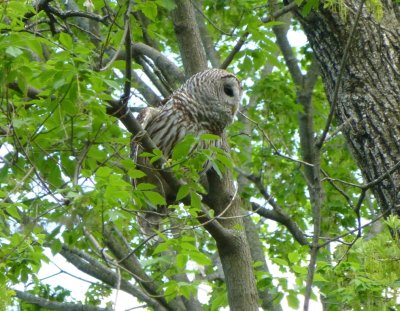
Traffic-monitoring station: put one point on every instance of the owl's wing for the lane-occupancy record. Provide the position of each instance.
(145, 116)
(150, 217)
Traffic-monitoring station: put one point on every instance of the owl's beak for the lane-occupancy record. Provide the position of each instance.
(234, 109)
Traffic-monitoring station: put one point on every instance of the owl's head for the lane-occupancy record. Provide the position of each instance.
(217, 94)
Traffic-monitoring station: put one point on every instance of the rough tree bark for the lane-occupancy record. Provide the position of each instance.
(367, 104)
(188, 37)
(232, 244)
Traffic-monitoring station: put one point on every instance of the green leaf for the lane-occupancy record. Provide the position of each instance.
(310, 5)
(318, 277)
(195, 200)
(279, 261)
(145, 186)
(104, 172)
(155, 198)
(224, 159)
(216, 169)
(133, 173)
(56, 247)
(293, 257)
(113, 84)
(149, 9)
(186, 289)
(183, 148)
(162, 247)
(171, 290)
(157, 155)
(13, 51)
(300, 270)
(188, 246)
(167, 4)
(208, 136)
(66, 40)
(12, 209)
(293, 301)
(181, 261)
(200, 258)
(219, 301)
(182, 192)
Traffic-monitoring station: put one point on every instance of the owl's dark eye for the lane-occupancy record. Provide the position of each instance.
(228, 90)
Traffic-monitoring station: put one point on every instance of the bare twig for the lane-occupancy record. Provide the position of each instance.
(276, 150)
(132, 264)
(67, 14)
(278, 13)
(235, 50)
(115, 55)
(200, 11)
(242, 40)
(384, 214)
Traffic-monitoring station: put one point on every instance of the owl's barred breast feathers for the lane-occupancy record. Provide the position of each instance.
(206, 103)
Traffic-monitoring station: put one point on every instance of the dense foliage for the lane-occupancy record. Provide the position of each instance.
(65, 166)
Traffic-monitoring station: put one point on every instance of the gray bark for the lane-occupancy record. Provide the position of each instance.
(233, 247)
(269, 300)
(228, 229)
(369, 94)
(188, 37)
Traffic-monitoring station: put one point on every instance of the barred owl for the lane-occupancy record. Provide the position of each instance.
(206, 103)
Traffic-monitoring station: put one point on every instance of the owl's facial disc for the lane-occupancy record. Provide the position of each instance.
(232, 91)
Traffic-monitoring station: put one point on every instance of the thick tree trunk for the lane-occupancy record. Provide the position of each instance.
(233, 248)
(368, 102)
(188, 36)
(228, 228)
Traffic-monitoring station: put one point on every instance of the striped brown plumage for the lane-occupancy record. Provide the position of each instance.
(206, 103)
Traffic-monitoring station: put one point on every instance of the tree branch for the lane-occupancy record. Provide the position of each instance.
(278, 214)
(287, 52)
(235, 50)
(128, 260)
(283, 219)
(67, 14)
(170, 71)
(128, 61)
(151, 98)
(382, 177)
(188, 37)
(278, 13)
(243, 37)
(269, 300)
(92, 267)
(206, 39)
(54, 305)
